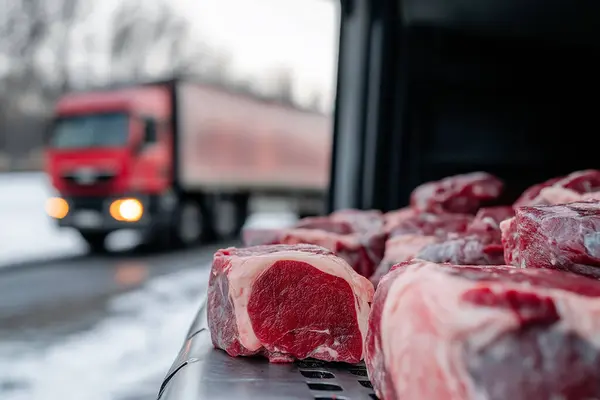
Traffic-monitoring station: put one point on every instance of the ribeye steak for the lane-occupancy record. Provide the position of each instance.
(286, 303)
(459, 194)
(362, 251)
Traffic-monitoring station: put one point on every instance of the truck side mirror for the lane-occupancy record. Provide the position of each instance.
(149, 136)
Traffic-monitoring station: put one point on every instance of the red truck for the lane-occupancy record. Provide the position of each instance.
(163, 158)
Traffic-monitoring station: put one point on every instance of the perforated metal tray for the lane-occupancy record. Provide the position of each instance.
(202, 372)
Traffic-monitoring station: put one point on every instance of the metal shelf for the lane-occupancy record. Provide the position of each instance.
(202, 372)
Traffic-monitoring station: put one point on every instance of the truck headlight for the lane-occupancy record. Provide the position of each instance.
(126, 210)
(57, 207)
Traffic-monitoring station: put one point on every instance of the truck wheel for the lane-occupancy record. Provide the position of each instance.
(96, 241)
(187, 229)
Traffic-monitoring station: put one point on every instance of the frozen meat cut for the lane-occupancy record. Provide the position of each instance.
(355, 235)
(487, 221)
(345, 222)
(362, 221)
(561, 189)
(362, 251)
(399, 249)
(392, 219)
(484, 333)
(287, 302)
(464, 250)
(564, 237)
(431, 224)
(481, 244)
(327, 224)
(413, 231)
(457, 194)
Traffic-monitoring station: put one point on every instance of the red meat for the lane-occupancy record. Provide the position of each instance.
(464, 250)
(362, 221)
(487, 221)
(549, 192)
(565, 237)
(480, 245)
(261, 301)
(457, 194)
(362, 251)
(399, 249)
(412, 232)
(430, 224)
(496, 333)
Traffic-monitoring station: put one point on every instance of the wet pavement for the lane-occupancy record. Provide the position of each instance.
(96, 327)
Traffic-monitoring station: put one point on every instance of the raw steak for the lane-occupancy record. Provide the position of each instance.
(488, 219)
(565, 237)
(346, 222)
(458, 194)
(480, 245)
(509, 241)
(530, 195)
(431, 224)
(362, 252)
(398, 249)
(286, 303)
(586, 181)
(416, 230)
(464, 250)
(560, 195)
(362, 221)
(445, 332)
(326, 224)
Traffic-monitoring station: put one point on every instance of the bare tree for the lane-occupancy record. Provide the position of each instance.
(42, 38)
(27, 28)
(141, 36)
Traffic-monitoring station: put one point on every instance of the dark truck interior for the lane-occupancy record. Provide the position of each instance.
(430, 88)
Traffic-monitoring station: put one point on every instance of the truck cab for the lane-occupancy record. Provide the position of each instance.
(109, 157)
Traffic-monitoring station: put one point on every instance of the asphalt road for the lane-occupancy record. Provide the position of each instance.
(119, 309)
(64, 294)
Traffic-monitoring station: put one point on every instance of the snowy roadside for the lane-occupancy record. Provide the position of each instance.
(26, 233)
(125, 357)
(127, 354)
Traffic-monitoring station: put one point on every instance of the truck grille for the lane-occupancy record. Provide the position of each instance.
(88, 180)
(88, 203)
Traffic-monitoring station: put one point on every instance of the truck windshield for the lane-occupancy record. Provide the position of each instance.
(97, 130)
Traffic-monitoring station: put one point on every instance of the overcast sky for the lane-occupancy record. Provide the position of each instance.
(264, 34)
(259, 35)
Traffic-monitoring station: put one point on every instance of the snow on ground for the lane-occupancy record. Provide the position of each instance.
(125, 357)
(26, 233)
(127, 354)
